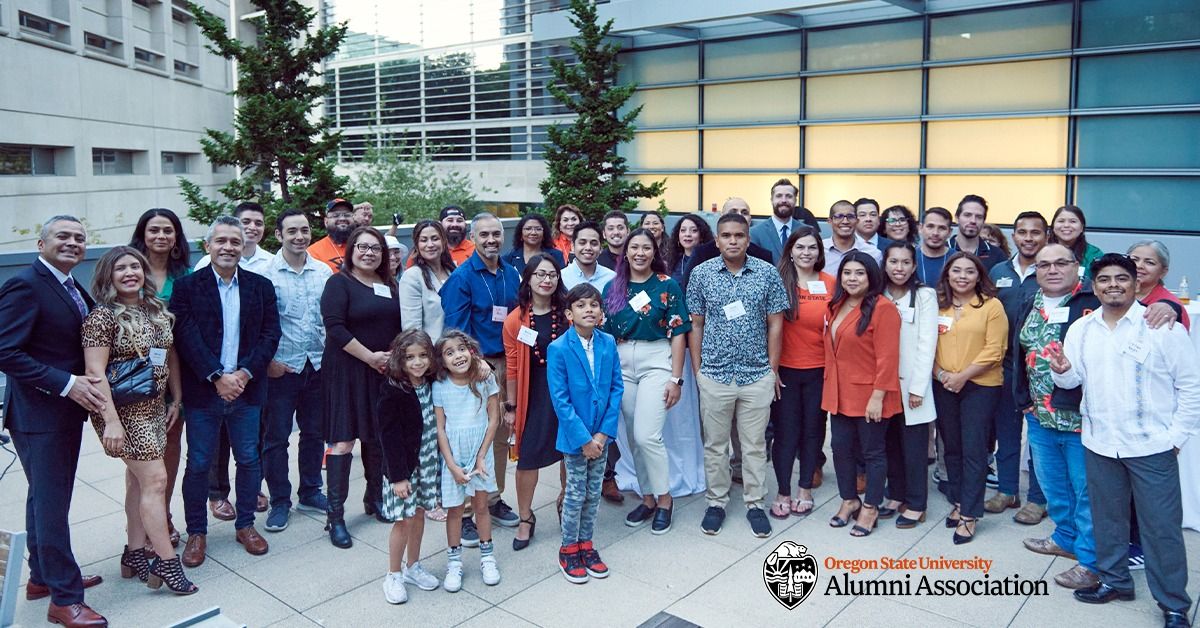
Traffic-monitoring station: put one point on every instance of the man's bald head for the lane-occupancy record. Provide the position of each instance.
(736, 205)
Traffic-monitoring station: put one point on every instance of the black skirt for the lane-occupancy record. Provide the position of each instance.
(538, 448)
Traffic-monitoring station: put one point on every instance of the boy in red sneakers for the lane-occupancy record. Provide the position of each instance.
(584, 376)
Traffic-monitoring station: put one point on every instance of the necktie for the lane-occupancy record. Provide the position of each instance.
(75, 296)
(783, 234)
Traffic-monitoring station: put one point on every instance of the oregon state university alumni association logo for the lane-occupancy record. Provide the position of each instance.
(790, 574)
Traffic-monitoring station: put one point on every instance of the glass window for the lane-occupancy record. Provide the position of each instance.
(176, 163)
(754, 188)
(662, 149)
(356, 95)
(1014, 143)
(760, 101)
(1148, 78)
(679, 197)
(758, 56)
(1139, 141)
(864, 95)
(18, 159)
(500, 81)
(1155, 203)
(821, 191)
(106, 161)
(1003, 32)
(542, 101)
(1007, 195)
(771, 147)
(500, 143)
(400, 91)
(664, 65)
(865, 46)
(1024, 86)
(863, 146)
(1121, 22)
(449, 145)
(448, 86)
(662, 107)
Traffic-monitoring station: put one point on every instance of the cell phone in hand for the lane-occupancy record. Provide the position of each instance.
(396, 219)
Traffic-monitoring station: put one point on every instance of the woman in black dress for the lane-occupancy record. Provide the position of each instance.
(540, 317)
(362, 316)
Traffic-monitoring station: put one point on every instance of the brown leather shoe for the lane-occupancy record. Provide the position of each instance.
(193, 552)
(1077, 577)
(818, 478)
(611, 493)
(1001, 501)
(1030, 514)
(75, 615)
(860, 483)
(262, 504)
(222, 509)
(1048, 547)
(252, 541)
(35, 591)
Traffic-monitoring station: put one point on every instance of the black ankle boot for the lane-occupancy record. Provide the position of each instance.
(134, 563)
(337, 477)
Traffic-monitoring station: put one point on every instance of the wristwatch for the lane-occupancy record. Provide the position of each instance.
(214, 376)
(678, 381)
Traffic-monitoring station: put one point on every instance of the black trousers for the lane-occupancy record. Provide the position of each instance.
(855, 434)
(49, 460)
(907, 473)
(799, 426)
(965, 422)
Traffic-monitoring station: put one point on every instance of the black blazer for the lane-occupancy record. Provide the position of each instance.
(1079, 305)
(198, 331)
(400, 425)
(40, 348)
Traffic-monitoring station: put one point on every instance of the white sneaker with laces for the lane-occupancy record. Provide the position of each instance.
(417, 576)
(454, 573)
(393, 588)
(491, 572)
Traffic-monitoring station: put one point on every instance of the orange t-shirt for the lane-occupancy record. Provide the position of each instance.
(803, 343)
(328, 252)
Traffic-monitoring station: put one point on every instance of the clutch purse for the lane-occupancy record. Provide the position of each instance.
(131, 381)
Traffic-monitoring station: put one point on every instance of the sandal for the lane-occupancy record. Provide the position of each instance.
(968, 525)
(796, 507)
(838, 522)
(860, 531)
(437, 514)
(782, 507)
(953, 518)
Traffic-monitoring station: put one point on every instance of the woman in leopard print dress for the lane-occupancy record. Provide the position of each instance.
(128, 322)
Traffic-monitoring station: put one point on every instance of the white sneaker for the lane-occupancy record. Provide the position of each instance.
(417, 576)
(491, 572)
(453, 581)
(393, 588)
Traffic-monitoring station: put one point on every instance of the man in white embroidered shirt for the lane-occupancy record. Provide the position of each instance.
(1141, 402)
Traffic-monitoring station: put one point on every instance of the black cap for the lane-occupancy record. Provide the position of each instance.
(338, 202)
(451, 210)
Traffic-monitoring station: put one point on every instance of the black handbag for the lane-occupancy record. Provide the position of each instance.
(131, 381)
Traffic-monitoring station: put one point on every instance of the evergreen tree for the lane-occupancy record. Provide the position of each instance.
(276, 139)
(584, 167)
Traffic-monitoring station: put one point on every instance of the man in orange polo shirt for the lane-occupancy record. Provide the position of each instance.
(339, 222)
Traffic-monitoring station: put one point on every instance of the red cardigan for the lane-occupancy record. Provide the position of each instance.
(856, 366)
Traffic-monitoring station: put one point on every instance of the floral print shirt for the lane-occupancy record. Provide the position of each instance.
(1036, 334)
(662, 317)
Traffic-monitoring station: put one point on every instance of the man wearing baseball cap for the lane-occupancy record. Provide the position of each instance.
(455, 222)
(339, 222)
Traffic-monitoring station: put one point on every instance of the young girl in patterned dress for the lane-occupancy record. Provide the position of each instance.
(408, 435)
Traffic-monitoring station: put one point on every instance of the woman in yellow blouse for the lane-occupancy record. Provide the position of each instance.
(972, 332)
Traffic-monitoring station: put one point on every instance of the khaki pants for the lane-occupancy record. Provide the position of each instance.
(646, 371)
(752, 405)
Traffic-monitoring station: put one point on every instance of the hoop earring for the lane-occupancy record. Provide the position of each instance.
(176, 253)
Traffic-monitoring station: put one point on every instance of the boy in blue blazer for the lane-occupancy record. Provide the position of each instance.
(584, 375)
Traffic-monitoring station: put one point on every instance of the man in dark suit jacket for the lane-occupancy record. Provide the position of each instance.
(226, 332)
(46, 403)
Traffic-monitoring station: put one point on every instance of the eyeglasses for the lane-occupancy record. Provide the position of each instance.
(533, 229)
(842, 217)
(542, 275)
(895, 220)
(364, 248)
(341, 214)
(1058, 264)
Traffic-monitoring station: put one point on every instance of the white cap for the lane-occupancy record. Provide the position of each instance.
(392, 242)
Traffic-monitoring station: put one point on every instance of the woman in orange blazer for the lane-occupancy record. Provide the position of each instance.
(539, 318)
(566, 218)
(862, 384)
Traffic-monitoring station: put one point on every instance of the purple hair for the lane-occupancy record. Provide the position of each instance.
(616, 298)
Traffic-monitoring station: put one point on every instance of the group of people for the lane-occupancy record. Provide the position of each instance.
(700, 354)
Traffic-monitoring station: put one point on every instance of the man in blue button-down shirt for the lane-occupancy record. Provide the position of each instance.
(476, 298)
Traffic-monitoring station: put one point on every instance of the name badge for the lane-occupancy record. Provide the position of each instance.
(499, 313)
(1059, 314)
(639, 301)
(945, 323)
(907, 314)
(1081, 270)
(527, 336)
(1004, 282)
(817, 287)
(158, 356)
(381, 290)
(1138, 351)
(735, 310)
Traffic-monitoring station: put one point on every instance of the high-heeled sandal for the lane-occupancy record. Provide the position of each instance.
(837, 522)
(859, 531)
(134, 563)
(968, 524)
(520, 544)
(170, 572)
(951, 520)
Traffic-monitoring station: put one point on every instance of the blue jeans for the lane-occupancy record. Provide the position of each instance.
(296, 394)
(584, 478)
(1007, 423)
(1060, 461)
(203, 430)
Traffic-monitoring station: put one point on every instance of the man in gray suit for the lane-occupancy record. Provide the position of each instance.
(785, 218)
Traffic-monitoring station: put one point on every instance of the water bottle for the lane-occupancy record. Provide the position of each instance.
(1184, 294)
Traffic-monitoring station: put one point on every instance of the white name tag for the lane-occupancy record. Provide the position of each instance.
(735, 310)
(499, 313)
(1004, 282)
(1081, 271)
(1059, 314)
(907, 314)
(381, 290)
(527, 336)
(1138, 351)
(817, 287)
(639, 301)
(158, 356)
(945, 323)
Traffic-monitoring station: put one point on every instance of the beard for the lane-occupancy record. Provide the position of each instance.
(454, 237)
(340, 235)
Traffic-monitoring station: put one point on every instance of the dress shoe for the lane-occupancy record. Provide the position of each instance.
(262, 504)
(1048, 547)
(1001, 501)
(222, 509)
(1175, 619)
(75, 616)
(34, 591)
(1103, 594)
(818, 478)
(252, 541)
(611, 493)
(1030, 514)
(193, 552)
(1077, 577)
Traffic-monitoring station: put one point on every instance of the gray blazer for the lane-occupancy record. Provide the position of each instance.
(420, 307)
(764, 234)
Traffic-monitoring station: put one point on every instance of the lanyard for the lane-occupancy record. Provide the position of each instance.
(500, 274)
